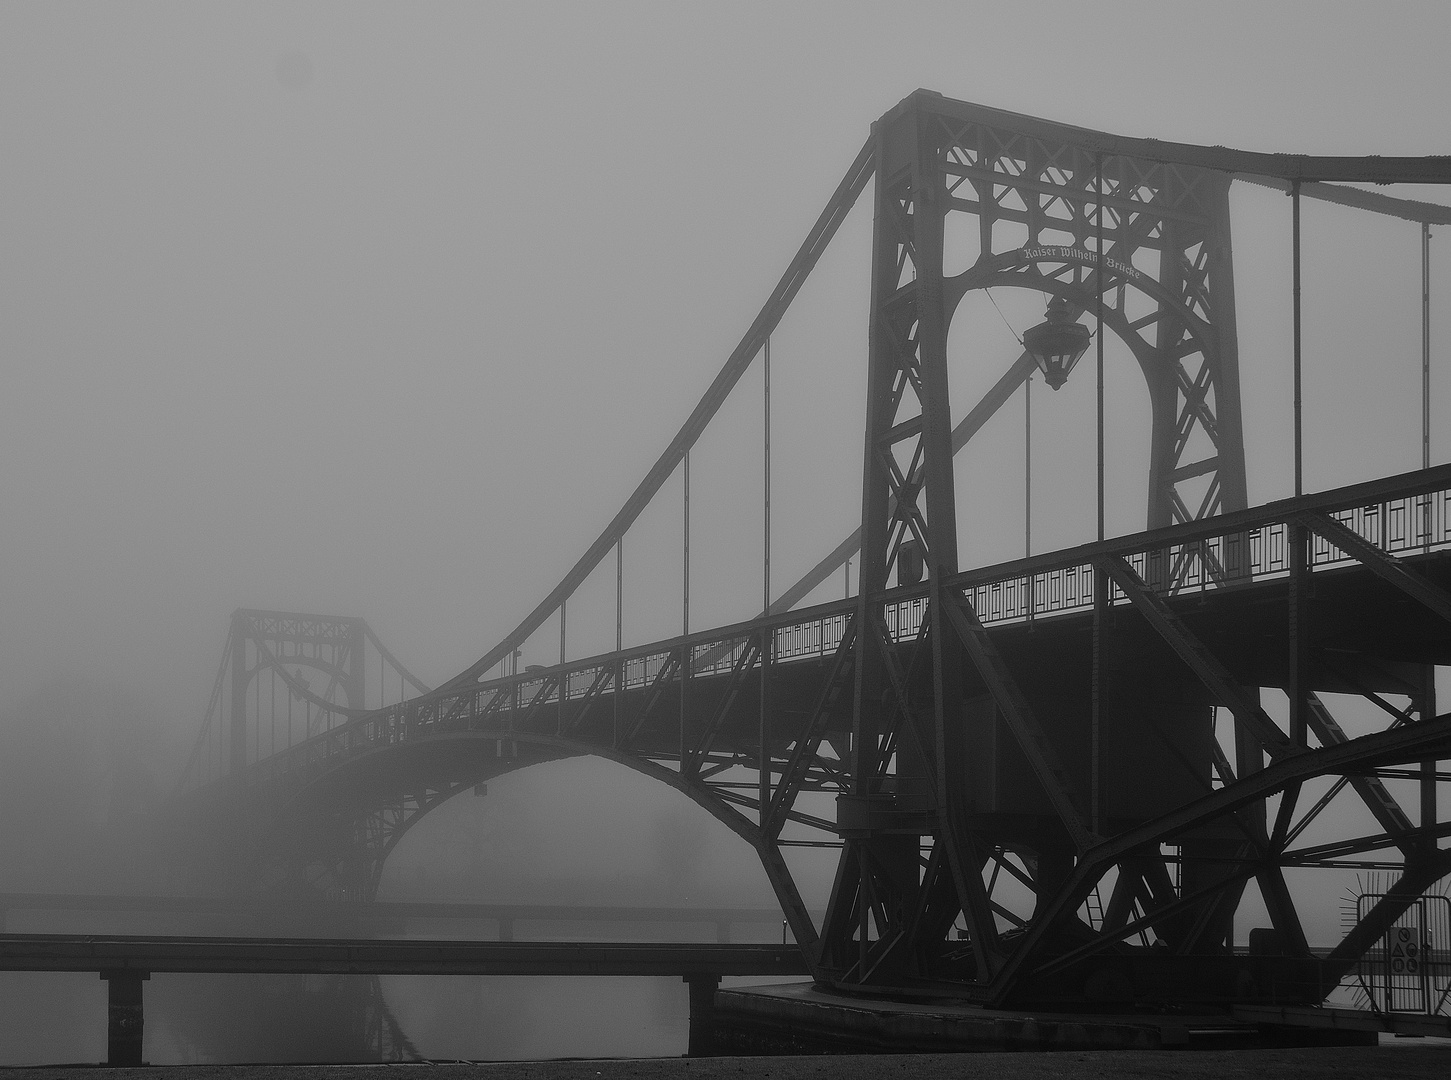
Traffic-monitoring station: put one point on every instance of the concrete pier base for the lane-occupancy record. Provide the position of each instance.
(702, 1014)
(125, 1017)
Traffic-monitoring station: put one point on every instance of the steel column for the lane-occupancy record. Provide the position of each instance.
(1295, 317)
(237, 715)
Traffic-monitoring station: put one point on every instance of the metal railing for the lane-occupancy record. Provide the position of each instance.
(1409, 969)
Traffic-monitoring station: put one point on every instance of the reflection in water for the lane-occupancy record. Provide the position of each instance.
(528, 1017)
(199, 1019)
(219, 1018)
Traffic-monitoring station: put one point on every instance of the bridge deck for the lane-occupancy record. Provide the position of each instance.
(1226, 576)
(1374, 636)
(363, 956)
(380, 909)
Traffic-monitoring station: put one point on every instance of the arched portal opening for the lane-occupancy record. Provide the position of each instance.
(1040, 443)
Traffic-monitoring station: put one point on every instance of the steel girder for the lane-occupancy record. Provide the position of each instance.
(360, 786)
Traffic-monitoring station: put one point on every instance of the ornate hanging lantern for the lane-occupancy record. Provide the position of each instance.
(1057, 343)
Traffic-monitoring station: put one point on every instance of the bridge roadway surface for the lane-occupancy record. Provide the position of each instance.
(387, 911)
(364, 956)
(125, 962)
(1428, 1059)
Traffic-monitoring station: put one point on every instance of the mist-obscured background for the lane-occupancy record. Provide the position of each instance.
(383, 310)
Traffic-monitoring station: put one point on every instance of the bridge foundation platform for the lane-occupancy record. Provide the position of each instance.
(801, 1018)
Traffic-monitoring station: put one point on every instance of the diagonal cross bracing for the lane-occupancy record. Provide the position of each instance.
(1199, 659)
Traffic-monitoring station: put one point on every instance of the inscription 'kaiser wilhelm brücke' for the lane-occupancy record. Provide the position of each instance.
(1084, 256)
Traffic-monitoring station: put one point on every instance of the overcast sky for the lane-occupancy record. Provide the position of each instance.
(384, 309)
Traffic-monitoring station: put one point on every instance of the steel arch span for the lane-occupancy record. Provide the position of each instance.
(1024, 766)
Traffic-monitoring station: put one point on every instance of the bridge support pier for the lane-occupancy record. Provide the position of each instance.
(125, 1021)
(702, 1014)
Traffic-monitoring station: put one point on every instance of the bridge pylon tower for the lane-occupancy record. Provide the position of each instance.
(1141, 248)
(282, 644)
(286, 678)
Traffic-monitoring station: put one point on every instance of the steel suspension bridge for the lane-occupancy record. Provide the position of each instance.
(1053, 781)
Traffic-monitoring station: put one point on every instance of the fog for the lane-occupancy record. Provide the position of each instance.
(384, 310)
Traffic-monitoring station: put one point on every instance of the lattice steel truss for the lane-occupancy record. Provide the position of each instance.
(1142, 245)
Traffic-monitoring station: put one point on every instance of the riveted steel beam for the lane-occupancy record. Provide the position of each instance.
(1199, 659)
(1372, 790)
(1431, 738)
(1042, 755)
(1381, 563)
